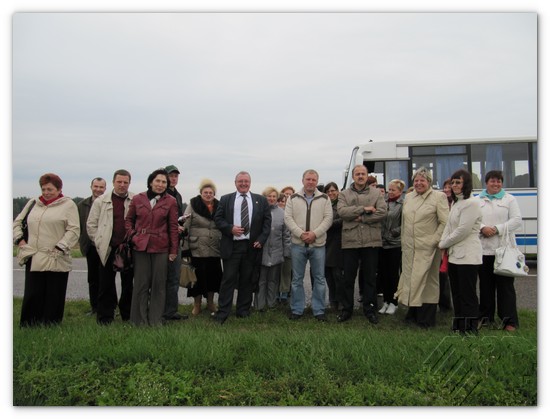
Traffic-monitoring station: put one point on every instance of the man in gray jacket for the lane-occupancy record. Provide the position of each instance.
(308, 216)
(362, 210)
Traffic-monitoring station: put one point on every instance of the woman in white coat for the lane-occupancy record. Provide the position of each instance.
(461, 240)
(499, 209)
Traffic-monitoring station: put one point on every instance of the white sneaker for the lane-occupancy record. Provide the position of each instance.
(392, 308)
(383, 309)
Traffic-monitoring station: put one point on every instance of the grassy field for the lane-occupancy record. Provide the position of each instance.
(268, 360)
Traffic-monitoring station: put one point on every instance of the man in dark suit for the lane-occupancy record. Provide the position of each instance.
(244, 219)
(87, 248)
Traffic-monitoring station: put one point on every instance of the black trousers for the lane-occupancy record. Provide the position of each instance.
(94, 265)
(463, 279)
(107, 295)
(389, 267)
(503, 286)
(424, 316)
(238, 273)
(333, 275)
(444, 292)
(43, 298)
(368, 258)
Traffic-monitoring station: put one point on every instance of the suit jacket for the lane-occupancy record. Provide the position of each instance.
(260, 224)
(84, 241)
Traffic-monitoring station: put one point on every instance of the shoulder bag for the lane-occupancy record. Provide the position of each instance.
(188, 276)
(509, 261)
(24, 223)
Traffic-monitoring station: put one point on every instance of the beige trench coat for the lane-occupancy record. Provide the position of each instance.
(423, 222)
(53, 225)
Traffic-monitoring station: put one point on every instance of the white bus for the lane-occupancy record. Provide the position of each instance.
(516, 157)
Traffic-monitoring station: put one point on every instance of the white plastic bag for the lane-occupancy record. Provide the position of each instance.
(509, 261)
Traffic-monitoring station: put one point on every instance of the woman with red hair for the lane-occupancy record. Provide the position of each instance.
(53, 230)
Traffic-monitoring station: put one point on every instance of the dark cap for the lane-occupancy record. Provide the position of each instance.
(171, 169)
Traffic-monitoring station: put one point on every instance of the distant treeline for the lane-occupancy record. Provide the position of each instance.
(20, 202)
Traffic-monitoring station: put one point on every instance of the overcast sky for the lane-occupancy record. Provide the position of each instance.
(270, 93)
(274, 94)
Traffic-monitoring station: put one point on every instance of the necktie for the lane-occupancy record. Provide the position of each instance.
(244, 215)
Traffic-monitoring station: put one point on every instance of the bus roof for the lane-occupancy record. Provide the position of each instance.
(413, 142)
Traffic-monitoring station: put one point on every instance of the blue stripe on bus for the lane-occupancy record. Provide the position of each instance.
(526, 241)
(524, 193)
(519, 194)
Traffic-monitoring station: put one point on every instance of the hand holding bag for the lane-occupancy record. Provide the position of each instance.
(188, 277)
(122, 260)
(509, 261)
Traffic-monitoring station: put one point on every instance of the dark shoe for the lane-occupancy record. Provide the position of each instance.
(178, 316)
(373, 318)
(294, 316)
(321, 317)
(343, 317)
(243, 315)
(218, 319)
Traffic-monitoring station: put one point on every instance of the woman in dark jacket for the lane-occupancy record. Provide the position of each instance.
(390, 254)
(334, 257)
(152, 222)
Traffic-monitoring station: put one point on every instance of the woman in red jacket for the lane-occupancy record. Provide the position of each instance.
(152, 222)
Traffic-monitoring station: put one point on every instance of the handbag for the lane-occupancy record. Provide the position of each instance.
(444, 266)
(122, 260)
(188, 276)
(24, 223)
(509, 261)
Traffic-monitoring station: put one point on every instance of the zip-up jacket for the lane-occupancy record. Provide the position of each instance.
(361, 229)
(301, 217)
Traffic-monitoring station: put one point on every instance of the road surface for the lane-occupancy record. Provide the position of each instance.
(77, 289)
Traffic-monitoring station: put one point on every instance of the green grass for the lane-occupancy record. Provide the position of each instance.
(268, 360)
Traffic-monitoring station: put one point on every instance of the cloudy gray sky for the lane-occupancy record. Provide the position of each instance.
(271, 93)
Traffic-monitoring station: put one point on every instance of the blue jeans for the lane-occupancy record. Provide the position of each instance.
(316, 257)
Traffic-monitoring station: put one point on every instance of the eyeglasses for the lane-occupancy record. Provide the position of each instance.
(456, 182)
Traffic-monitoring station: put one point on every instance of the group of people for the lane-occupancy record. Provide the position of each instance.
(260, 245)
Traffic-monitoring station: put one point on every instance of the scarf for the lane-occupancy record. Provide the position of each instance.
(499, 195)
(48, 202)
(200, 207)
(395, 198)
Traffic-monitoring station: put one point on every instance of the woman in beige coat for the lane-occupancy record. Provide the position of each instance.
(425, 213)
(53, 230)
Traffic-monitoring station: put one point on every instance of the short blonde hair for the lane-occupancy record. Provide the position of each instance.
(270, 189)
(425, 173)
(399, 183)
(207, 183)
